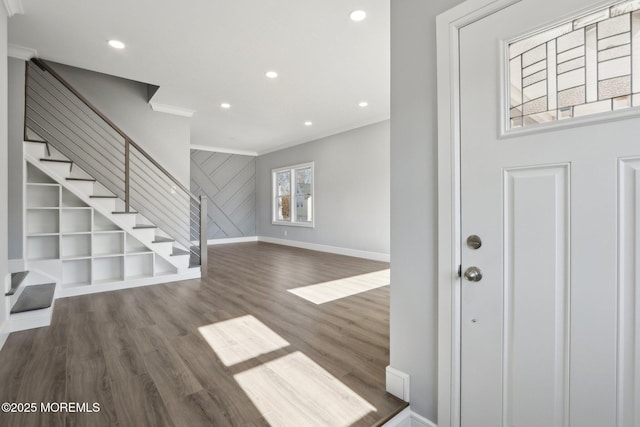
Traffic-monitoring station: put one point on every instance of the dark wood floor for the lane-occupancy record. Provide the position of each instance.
(183, 353)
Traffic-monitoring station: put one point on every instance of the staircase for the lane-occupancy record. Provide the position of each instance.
(100, 213)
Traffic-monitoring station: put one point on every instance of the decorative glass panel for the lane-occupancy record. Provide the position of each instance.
(587, 66)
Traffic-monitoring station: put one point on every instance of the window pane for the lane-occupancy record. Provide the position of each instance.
(590, 68)
(283, 183)
(304, 197)
(283, 208)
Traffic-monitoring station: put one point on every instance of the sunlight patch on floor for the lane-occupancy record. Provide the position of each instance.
(241, 339)
(341, 288)
(295, 391)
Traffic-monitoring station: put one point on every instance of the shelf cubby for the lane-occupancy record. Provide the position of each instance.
(75, 246)
(76, 272)
(43, 221)
(75, 220)
(101, 223)
(139, 266)
(109, 269)
(43, 247)
(35, 175)
(108, 243)
(43, 196)
(134, 246)
(162, 267)
(70, 200)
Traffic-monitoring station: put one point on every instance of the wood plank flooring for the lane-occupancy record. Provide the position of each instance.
(237, 349)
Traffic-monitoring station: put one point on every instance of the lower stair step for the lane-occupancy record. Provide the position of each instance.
(16, 280)
(35, 297)
(142, 227)
(160, 239)
(178, 252)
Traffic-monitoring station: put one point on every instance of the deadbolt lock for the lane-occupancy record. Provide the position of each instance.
(474, 242)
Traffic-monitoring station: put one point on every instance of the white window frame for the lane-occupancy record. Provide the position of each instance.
(293, 214)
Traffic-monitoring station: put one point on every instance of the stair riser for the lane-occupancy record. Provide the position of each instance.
(83, 187)
(106, 204)
(144, 234)
(59, 169)
(182, 262)
(164, 248)
(35, 149)
(127, 221)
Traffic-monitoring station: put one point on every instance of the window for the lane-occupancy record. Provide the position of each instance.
(582, 67)
(293, 195)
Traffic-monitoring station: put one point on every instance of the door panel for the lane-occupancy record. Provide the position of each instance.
(540, 330)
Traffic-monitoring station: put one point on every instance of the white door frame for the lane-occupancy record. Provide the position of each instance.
(448, 25)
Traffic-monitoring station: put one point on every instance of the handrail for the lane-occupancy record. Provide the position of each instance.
(46, 67)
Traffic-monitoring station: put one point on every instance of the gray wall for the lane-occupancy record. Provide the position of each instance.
(4, 306)
(16, 125)
(414, 297)
(351, 190)
(229, 182)
(166, 137)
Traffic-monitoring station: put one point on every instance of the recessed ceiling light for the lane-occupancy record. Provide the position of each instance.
(358, 15)
(308, 123)
(363, 104)
(225, 105)
(116, 44)
(271, 74)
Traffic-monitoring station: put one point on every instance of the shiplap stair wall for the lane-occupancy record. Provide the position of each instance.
(229, 182)
(78, 232)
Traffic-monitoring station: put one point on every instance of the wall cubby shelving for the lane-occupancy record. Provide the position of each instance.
(90, 248)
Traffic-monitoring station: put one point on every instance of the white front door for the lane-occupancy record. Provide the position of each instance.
(549, 334)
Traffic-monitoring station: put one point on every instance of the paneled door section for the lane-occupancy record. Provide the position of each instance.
(550, 185)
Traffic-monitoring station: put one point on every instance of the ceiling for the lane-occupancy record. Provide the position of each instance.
(205, 52)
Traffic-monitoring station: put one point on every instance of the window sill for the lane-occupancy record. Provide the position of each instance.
(294, 224)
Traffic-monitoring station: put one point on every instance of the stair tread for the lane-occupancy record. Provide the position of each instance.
(16, 280)
(124, 213)
(35, 140)
(143, 226)
(81, 179)
(56, 160)
(103, 197)
(35, 297)
(161, 239)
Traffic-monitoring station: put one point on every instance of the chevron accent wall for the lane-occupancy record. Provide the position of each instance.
(229, 182)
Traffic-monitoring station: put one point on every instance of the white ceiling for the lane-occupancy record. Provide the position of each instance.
(204, 52)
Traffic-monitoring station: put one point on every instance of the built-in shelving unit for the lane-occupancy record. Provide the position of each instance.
(90, 249)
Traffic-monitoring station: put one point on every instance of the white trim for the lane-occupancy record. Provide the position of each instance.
(448, 25)
(408, 418)
(376, 256)
(16, 265)
(292, 190)
(171, 109)
(232, 240)
(4, 333)
(14, 7)
(398, 383)
(21, 52)
(402, 419)
(223, 150)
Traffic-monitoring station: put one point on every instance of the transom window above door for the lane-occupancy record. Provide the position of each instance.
(585, 66)
(293, 195)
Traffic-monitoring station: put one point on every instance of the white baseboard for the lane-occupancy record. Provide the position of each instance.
(398, 383)
(16, 265)
(408, 418)
(376, 256)
(232, 240)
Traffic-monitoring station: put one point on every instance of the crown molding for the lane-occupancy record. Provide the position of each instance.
(223, 150)
(21, 52)
(172, 109)
(14, 7)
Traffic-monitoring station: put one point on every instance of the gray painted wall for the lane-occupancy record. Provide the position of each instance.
(229, 182)
(16, 124)
(414, 297)
(351, 190)
(166, 137)
(4, 271)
